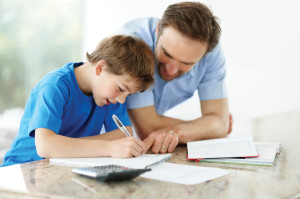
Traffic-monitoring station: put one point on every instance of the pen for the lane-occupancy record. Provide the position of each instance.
(120, 125)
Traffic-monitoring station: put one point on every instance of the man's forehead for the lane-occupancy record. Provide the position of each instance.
(181, 47)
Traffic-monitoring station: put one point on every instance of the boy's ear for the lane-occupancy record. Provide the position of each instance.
(99, 67)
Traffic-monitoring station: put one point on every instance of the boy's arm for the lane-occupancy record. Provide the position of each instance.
(155, 130)
(112, 135)
(51, 145)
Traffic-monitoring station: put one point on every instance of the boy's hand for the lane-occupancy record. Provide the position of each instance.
(126, 147)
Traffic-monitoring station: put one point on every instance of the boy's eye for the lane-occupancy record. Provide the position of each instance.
(121, 89)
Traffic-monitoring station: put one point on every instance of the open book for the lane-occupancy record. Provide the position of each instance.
(141, 162)
(221, 148)
(268, 153)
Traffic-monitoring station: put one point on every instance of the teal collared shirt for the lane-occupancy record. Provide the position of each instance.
(207, 76)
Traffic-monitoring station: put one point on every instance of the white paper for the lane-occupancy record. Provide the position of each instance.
(183, 174)
(139, 162)
(12, 178)
(220, 148)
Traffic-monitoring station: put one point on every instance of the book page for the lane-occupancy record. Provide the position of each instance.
(221, 148)
(267, 155)
(267, 151)
(139, 162)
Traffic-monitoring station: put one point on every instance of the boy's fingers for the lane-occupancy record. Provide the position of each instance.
(135, 153)
(140, 144)
(138, 151)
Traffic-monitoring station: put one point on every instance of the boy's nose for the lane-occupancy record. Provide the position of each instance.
(121, 98)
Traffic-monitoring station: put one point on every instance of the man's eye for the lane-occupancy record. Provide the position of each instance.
(121, 89)
(169, 56)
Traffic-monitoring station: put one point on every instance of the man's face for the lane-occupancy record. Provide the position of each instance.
(176, 54)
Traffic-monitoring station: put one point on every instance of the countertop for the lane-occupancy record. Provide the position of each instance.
(41, 179)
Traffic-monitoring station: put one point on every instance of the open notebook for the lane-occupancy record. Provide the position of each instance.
(141, 162)
(268, 153)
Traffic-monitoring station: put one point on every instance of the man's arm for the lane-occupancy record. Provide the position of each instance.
(154, 129)
(214, 122)
(146, 120)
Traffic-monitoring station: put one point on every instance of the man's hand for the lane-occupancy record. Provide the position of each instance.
(161, 141)
(165, 140)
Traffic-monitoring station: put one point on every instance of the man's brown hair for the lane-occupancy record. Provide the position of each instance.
(126, 55)
(194, 20)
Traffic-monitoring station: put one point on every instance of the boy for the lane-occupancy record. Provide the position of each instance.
(66, 110)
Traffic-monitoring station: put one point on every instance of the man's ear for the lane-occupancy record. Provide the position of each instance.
(100, 66)
(156, 30)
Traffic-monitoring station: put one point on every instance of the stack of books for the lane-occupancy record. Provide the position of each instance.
(234, 151)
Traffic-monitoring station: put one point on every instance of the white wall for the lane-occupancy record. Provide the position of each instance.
(261, 40)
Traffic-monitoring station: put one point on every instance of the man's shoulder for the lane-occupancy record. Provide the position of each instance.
(211, 59)
(143, 28)
(143, 22)
(216, 53)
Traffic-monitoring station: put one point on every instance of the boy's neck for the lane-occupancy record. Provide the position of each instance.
(83, 77)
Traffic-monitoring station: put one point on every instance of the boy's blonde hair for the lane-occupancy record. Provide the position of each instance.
(126, 55)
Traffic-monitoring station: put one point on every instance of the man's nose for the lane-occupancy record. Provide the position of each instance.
(172, 68)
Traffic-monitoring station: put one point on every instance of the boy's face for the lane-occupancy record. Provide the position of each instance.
(109, 88)
(176, 54)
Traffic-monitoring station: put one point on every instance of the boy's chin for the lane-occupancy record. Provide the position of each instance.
(100, 103)
(103, 102)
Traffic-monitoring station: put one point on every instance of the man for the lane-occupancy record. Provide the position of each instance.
(188, 58)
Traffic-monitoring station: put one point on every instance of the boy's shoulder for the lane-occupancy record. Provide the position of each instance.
(56, 75)
(61, 77)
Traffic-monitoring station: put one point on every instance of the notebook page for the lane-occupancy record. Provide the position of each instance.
(139, 162)
(221, 148)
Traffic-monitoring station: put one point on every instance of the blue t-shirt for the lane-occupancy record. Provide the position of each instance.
(207, 76)
(57, 103)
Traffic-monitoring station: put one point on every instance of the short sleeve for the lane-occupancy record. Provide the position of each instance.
(121, 112)
(212, 86)
(46, 109)
(140, 99)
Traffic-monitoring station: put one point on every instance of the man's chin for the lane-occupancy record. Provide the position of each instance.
(166, 77)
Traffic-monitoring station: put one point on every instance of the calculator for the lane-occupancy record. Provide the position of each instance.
(110, 172)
